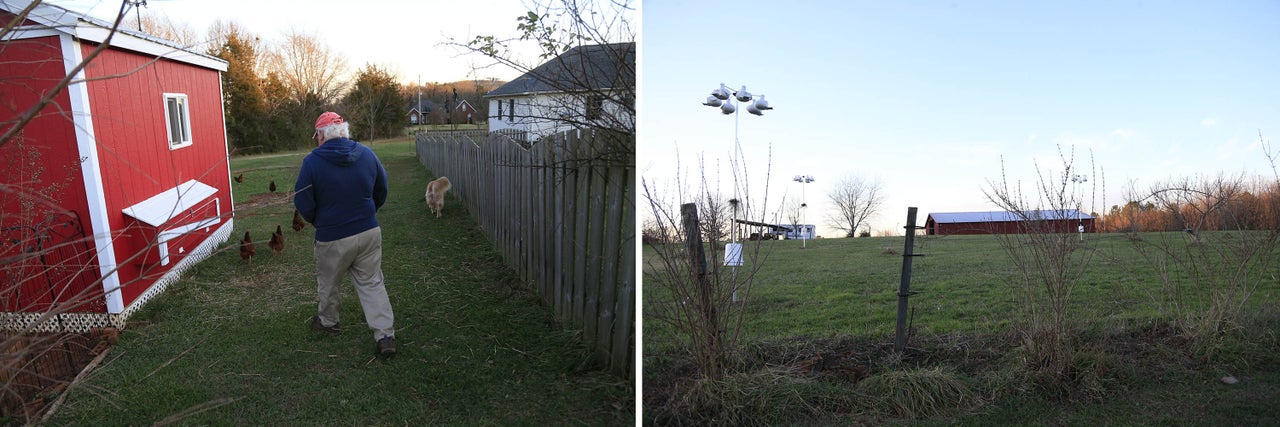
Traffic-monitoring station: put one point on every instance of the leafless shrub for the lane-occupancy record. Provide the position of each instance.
(703, 300)
(1208, 277)
(1049, 261)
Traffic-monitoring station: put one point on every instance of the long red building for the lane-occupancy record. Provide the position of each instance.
(119, 185)
(1003, 222)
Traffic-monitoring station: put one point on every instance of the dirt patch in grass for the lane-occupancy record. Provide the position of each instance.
(265, 200)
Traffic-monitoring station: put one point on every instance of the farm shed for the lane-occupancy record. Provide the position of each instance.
(1002, 222)
(116, 187)
(568, 91)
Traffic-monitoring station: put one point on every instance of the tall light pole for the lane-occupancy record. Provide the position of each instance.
(804, 207)
(728, 103)
(1079, 179)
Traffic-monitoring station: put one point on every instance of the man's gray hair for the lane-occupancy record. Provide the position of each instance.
(340, 130)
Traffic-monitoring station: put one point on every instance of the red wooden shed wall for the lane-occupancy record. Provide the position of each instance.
(129, 122)
(46, 186)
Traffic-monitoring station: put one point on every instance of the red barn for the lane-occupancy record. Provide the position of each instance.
(117, 186)
(1000, 222)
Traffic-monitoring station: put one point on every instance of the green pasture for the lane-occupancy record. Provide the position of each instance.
(842, 287)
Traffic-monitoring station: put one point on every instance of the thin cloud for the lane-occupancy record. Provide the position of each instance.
(1209, 121)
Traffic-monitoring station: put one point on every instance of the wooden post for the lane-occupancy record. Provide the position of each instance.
(698, 268)
(904, 290)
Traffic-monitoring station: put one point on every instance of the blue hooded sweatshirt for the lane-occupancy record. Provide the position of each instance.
(340, 187)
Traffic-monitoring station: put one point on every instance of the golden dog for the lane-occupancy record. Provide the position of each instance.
(435, 194)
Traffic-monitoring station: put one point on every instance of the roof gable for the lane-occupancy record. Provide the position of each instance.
(588, 67)
(426, 106)
(464, 106)
(1001, 216)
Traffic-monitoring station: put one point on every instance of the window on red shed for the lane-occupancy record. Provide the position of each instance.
(177, 120)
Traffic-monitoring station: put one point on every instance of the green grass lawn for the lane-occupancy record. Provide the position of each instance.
(229, 343)
(839, 297)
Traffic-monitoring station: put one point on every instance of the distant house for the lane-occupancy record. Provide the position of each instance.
(463, 112)
(1002, 222)
(119, 185)
(419, 112)
(587, 86)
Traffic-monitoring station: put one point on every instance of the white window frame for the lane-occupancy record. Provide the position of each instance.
(184, 112)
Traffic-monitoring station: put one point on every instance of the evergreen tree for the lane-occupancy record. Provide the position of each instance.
(374, 105)
(242, 96)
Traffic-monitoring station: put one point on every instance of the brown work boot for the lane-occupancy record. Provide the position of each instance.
(387, 346)
(318, 326)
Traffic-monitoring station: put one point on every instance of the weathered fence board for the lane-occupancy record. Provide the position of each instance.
(561, 213)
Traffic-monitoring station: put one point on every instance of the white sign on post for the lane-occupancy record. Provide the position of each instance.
(733, 254)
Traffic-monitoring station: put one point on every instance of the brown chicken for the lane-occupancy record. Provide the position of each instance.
(247, 249)
(240, 178)
(277, 241)
(298, 223)
(272, 187)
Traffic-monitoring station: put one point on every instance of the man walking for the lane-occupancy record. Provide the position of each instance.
(340, 187)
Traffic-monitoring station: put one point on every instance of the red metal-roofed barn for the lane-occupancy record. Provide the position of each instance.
(1003, 222)
(116, 187)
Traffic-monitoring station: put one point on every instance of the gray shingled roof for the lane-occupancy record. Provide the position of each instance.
(425, 107)
(998, 216)
(581, 68)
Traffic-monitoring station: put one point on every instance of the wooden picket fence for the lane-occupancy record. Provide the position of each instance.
(562, 213)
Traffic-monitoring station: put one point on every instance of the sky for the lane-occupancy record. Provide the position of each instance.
(381, 32)
(930, 97)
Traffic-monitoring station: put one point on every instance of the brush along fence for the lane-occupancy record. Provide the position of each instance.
(561, 212)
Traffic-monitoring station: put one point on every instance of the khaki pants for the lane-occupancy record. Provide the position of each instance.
(361, 257)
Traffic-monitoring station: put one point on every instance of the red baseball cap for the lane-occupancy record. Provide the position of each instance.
(328, 118)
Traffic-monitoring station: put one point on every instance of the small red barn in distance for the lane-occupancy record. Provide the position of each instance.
(116, 187)
(1002, 222)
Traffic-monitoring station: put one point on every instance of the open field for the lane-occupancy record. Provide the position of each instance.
(821, 320)
(229, 343)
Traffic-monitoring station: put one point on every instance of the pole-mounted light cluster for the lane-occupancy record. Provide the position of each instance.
(721, 98)
(804, 233)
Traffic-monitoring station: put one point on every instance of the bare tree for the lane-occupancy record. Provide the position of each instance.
(856, 200)
(308, 68)
(220, 31)
(794, 213)
(160, 25)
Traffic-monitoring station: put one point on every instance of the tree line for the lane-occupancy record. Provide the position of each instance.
(273, 91)
(1198, 204)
